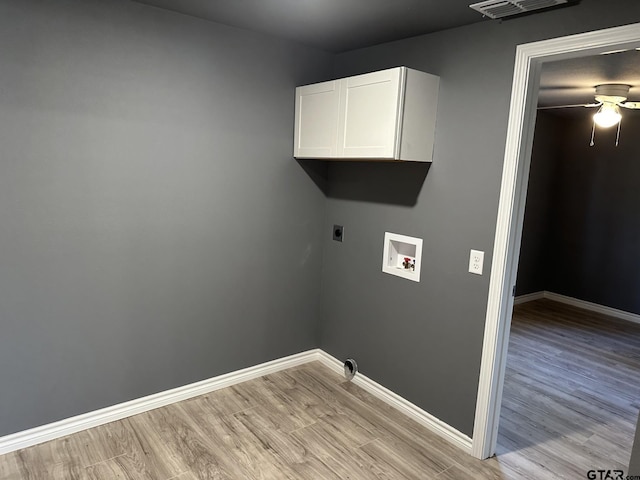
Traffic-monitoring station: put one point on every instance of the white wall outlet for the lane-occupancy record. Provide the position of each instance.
(476, 260)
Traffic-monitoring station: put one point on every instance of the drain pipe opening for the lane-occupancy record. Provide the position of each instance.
(350, 368)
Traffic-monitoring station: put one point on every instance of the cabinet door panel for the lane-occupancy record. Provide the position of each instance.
(369, 115)
(316, 126)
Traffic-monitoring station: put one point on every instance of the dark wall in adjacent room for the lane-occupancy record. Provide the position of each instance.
(592, 222)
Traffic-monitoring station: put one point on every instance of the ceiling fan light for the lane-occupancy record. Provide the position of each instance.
(607, 116)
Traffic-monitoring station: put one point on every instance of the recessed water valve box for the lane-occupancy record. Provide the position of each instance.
(402, 256)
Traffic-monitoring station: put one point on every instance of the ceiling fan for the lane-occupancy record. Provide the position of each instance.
(609, 98)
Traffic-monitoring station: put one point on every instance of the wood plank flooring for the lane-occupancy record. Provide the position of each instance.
(302, 423)
(570, 404)
(571, 393)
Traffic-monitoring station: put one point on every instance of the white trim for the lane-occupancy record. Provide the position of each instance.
(593, 307)
(529, 297)
(411, 410)
(576, 302)
(51, 431)
(44, 433)
(529, 58)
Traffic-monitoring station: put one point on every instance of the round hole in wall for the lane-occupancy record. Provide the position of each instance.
(350, 368)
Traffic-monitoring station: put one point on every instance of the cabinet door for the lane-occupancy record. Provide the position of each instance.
(316, 127)
(369, 110)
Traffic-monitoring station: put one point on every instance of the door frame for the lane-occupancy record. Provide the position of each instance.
(513, 192)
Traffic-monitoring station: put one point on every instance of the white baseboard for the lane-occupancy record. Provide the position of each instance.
(51, 431)
(529, 297)
(411, 410)
(592, 307)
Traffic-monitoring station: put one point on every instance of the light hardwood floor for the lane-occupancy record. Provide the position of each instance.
(302, 423)
(572, 391)
(307, 423)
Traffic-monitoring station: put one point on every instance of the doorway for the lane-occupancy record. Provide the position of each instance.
(529, 60)
(572, 379)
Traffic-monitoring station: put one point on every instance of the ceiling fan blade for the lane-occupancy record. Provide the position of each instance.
(632, 105)
(589, 105)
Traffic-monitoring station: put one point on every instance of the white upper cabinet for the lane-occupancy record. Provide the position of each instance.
(385, 115)
(368, 117)
(316, 126)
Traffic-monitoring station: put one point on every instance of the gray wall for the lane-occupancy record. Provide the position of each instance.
(154, 228)
(424, 340)
(541, 204)
(593, 224)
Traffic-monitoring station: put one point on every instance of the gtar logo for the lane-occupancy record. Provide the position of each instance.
(605, 474)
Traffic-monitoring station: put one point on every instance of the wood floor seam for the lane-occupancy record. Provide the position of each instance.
(367, 443)
(105, 460)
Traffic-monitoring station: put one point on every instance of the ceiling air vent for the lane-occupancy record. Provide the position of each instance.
(507, 8)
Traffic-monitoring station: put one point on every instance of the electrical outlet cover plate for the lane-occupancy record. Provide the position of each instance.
(476, 261)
